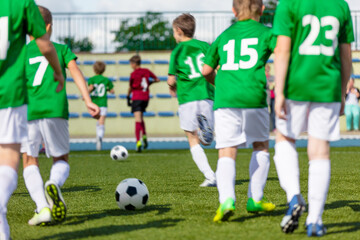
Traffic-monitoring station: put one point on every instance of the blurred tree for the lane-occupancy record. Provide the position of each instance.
(150, 32)
(83, 45)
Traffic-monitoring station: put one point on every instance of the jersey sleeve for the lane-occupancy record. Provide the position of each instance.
(110, 85)
(152, 75)
(172, 64)
(212, 56)
(90, 81)
(35, 22)
(283, 21)
(272, 39)
(346, 32)
(68, 55)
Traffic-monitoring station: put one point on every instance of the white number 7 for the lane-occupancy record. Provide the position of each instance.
(41, 70)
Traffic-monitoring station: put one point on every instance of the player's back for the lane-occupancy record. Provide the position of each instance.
(101, 86)
(41, 85)
(186, 63)
(241, 51)
(17, 18)
(316, 29)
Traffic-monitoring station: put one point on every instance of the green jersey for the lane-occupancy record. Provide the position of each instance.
(101, 86)
(44, 101)
(186, 63)
(17, 18)
(242, 52)
(316, 29)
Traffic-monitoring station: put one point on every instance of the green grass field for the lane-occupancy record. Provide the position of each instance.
(178, 208)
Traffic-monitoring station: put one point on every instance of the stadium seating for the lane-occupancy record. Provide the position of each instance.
(162, 116)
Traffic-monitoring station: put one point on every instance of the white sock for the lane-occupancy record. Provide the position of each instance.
(258, 170)
(201, 161)
(60, 172)
(35, 186)
(8, 184)
(101, 131)
(225, 178)
(319, 180)
(287, 167)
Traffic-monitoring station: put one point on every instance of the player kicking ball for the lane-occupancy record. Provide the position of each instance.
(195, 94)
(313, 51)
(99, 86)
(241, 113)
(48, 121)
(138, 98)
(25, 18)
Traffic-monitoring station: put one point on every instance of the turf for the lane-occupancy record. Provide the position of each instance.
(178, 208)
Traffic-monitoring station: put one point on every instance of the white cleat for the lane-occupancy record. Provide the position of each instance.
(42, 218)
(208, 183)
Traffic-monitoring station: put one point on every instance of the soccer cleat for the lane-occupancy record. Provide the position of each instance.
(290, 221)
(261, 206)
(315, 230)
(56, 201)
(42, 218)
(138, 146)
(205, 132)
(209, 183)
(225, 211)
(98, 143)
(145, 142)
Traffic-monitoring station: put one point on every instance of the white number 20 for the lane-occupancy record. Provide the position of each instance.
(308, 47)
(244, 51)
(41, 70)
(4, 37)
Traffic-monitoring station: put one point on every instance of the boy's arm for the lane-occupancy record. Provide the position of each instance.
(209, 74)
(80, 82)
(346, 65)
(156, 79)
(47, 49)
(172, 85)
(91, 88)
(282, 56)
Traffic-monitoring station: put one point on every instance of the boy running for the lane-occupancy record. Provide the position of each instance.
(48, 121)
(195, 94)
(17, 18)
(98, 88)
(139, 89)
(241, 113)
(313, 51)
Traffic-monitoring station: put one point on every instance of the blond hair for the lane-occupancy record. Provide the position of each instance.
(248, 9)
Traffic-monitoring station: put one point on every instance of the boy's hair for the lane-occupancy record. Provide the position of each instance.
(186, 22)
(46, 14)
(99, 67)
(247, 9)
(136, 59)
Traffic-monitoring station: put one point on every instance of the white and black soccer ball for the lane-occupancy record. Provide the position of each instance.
(131, 194)
(119, 153)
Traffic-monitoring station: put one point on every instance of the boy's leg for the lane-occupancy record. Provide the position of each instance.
(100, 128)
(200, 159)
(9, 159)
(205, 117)
(348, 115)
(356, 115)
(138, 119)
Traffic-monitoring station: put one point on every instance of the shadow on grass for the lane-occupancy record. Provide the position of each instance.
(75, 220)
(113, 229)
(82, 189)
(347, 227)
(257, 215)
(353, 204)
(242, 181)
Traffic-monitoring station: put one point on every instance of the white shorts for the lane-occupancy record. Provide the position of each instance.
(237, 127)
(103, 111)
(13, 127)
(188, 114)
(54, 132)
(320, 120)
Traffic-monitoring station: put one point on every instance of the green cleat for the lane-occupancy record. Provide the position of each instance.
(138, 146)
(261, 206)
(225, 211)
(145, 142)
(56, 201)
(42, 218)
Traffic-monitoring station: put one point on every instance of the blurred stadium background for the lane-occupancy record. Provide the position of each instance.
(115, 37)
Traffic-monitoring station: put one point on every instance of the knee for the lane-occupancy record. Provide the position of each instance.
(62, 158)
(261, 146)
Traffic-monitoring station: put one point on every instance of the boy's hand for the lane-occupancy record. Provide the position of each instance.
(172, 91)
(59, 78)
(93, 109)
(129, 103)
(280, 106)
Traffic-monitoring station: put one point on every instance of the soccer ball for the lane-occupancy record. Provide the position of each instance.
(119, 153)
(131, 194)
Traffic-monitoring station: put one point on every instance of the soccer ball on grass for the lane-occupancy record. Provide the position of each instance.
(119, 153)
(131, 194)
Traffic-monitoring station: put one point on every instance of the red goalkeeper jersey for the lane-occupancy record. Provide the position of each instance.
(139, 83)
